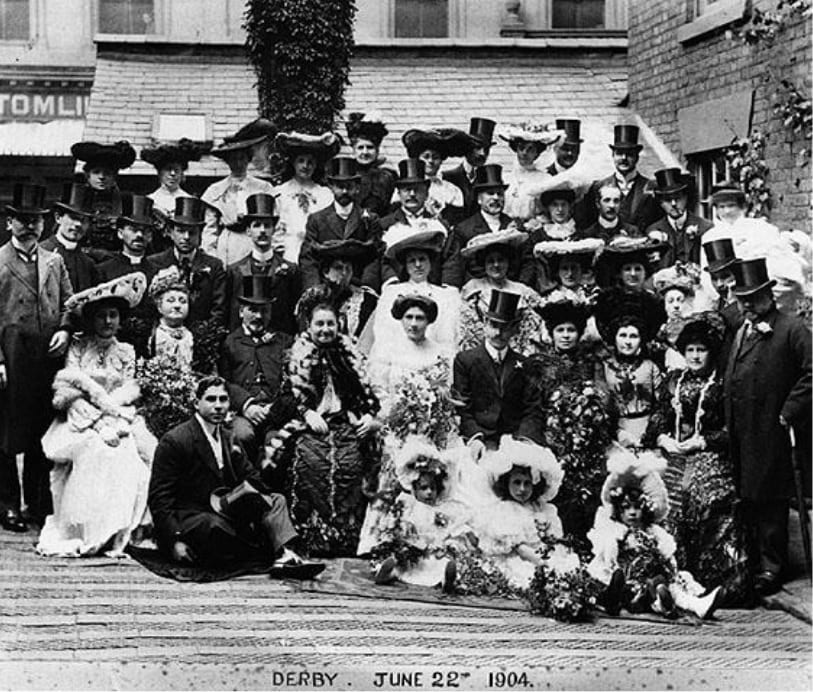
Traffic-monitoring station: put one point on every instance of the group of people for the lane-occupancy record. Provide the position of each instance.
(523, 382)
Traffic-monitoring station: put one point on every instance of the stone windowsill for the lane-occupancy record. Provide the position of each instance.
(725, 13)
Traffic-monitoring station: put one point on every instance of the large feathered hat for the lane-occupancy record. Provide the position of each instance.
(616, 305)
(559, 312)
(539, 460)
(704, 328)
(116, 156)
(509, 238)
(542, 134)
(446, 141)
(128, 290)
(366, 126)
(424, 234)
(168, 279)
(628, 469)
(182, 152)
(418, 455)
(681, 276)
(321, 147)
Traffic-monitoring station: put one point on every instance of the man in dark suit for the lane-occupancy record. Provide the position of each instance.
(497, 396)
(568, 150)
(608, 223)
(767, 394)
(638, 206)
(720, 256)
(267, 260)
(205, 275)
(251, 361)
(489, 217)
(194, 464)
(73, 215)
(679, 228)
(413, 190)
(481, 133)
(341, 220)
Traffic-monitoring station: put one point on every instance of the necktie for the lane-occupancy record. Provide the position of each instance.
(28, 257)
(186, 269)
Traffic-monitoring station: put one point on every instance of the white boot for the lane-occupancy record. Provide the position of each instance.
(704, 606)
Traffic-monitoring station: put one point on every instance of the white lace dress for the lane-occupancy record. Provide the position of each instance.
(295, 202)
(102, 452)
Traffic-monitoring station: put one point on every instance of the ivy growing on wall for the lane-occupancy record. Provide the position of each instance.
(301, 51)
(746, 158)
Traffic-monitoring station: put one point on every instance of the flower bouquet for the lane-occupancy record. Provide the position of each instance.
(207, 338)
(640, 560)
(167, 392)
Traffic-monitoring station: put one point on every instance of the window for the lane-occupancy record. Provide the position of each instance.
(705, 6)
(421, 18)
(578, 14)
(127, 16)
(710, 168)
(14, 20)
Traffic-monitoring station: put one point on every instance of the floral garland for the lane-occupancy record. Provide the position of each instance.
(565, 595)
(677, 404)
(167, 391)
(640, 559)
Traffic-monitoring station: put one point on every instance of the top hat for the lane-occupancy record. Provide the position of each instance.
(181, 152)
(626, 137)
(720, 254)
(76, 199)
(257, 289)
(669, 181)
(488, 177)
(342, 169)
(189, 211)
(260, 206)
(116, 156)
(411, 172)
(503, 306)
(136, 209)
(750, 276)
(27, 199)
(572, 130)
(481, 130)
(727, 191)
(247, 136)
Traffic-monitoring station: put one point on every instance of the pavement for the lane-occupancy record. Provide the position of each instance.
(98, 623)
(797, 593)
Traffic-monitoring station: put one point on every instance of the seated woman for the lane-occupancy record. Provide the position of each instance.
(676, 286)
(688, 425)
(101, 449)
(300, 194)
(416, 248)
(337, 451)
(171, 340)
(627, 322)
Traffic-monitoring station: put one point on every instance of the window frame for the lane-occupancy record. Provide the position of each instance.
(31, 24)
(705, 167)
(576, 29)
(451, 11)
(157, 14)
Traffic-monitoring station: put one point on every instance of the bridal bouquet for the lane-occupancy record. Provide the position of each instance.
(167, 391)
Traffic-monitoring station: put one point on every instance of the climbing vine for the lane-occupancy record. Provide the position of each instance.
(746, 158)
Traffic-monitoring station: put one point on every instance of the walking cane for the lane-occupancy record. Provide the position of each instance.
(804, 517)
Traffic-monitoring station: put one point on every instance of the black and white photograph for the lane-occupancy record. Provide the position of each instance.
(406, 344)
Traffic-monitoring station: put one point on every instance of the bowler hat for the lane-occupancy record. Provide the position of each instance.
(260, 206)
(668, 181)
(750, 276)
(136, 209)
(189, 211)
(411, 172)
(481, 130)
(488, 177)
(76, 199)
(502, 306)
(27, 199)
(257, 290)
(116, 156)
(247, 136)
(719, 254)
(342, 169)
(727, 191)
(572, 130)
(626, 137)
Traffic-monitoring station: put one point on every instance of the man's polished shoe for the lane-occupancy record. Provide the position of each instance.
(767, 583)
(12, 520)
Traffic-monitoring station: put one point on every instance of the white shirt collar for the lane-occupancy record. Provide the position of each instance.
(493, 220)
(494, 354)
(626, 179)
(679, 223)
(606, 224)
(191, 255)
(344, 212)
(132, 258)
(67, 244)
(262, 256)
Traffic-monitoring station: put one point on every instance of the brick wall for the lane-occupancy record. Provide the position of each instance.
(665, 75)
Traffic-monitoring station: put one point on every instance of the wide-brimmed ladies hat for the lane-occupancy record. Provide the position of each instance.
(563, 191)
(628, 469)
(425, 234)
(681, 276)
(540, 461)
(367, 126)
(181, 152)
(508, 238)
(445, 141)
(719, 254)
(77, 198)
(256, 131)
(584, 251)
(115, 156)
(727, 191)
(751, 276)
(542, 134)
(128, 289)
(168, 279)
(321, 147)
(703, 328)
(418, 455)
(350, 249)
(617, 306)
(27, 199)
(559, 312)
(623, 250)
(414, 300)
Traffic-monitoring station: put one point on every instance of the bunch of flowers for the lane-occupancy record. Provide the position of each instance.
(396, 540)
(422, 404)
(479, 576)
(322, 538)
(167, 392)
(207, 338)
(640, 560)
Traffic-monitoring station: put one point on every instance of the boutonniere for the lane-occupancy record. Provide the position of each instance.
(692, 231)
(365, 214)
(763, 328)
(441, 520)
(267, 337)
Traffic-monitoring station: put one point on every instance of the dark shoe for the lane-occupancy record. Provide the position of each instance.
(384, 573)
(767, 583)
(292, 566)
(664, 603)
(449, 577)
(615, 592)
(12, 520)
(640, 603)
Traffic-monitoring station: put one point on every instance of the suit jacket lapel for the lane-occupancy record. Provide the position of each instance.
(204, 451)
(42, 272)
(352, 224)
(487, 366)
(509, 365)
(14, 267)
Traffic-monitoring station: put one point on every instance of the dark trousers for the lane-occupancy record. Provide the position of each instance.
(36, 483)
(771, 524)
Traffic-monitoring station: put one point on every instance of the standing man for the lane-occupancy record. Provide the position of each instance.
(412, 186)
(376, 183)
(609, 224)
(568, 150)
(342, 220)
(203, 274)
(34, 335)
(767, 393)
(266, 259)
(638, 206)
(679, 228)
(481, 133)
(73, 215)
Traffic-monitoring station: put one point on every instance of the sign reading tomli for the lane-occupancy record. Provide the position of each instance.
(42, 105)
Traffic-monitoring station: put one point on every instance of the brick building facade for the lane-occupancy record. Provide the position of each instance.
(698, 85)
